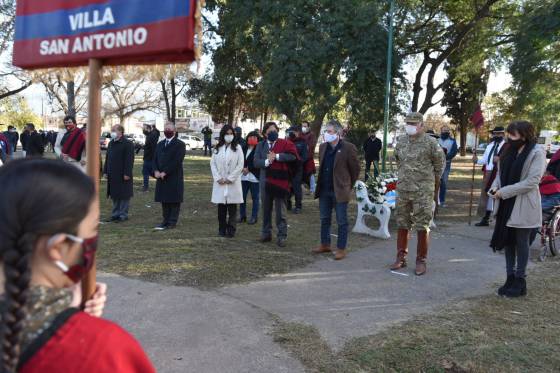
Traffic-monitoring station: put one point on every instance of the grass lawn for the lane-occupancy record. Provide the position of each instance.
(194, 254)
(484, 334)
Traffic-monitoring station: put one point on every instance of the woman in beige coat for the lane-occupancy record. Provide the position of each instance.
(518, 210)
(227, 165)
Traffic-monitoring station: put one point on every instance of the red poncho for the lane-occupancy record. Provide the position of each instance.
(279, 174)
(86, 344)
(74, 145)
(549, 185)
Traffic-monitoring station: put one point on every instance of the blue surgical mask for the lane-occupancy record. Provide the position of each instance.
(272, 136)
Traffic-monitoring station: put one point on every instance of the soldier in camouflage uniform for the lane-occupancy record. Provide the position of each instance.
(420, 163)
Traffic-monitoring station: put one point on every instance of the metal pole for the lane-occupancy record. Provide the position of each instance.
(93, 152)
(388, 85)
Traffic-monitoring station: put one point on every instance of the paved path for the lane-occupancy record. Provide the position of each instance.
(187, 330)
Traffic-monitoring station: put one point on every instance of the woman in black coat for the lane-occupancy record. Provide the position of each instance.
(168, 170)
(119, 163)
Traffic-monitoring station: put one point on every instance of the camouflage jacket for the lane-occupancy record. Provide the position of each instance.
(419, 161)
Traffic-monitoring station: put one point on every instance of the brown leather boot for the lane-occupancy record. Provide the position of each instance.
(340, 254)
(422, 252)
(402, 250)
(322, 249)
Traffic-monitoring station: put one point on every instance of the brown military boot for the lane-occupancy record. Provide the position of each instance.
(422, 252)
(322, 249)
(402, 250)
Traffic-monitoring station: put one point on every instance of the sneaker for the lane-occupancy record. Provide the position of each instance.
(281, 242)
(161, 227)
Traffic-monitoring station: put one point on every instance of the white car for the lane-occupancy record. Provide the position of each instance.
(191, 142)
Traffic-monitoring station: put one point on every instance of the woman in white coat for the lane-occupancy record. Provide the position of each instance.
(227, 166)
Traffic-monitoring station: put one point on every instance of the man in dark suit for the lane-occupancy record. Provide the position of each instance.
(35, 143)
(338, 171)
(372, 148)
(168, 170)
(152, 138)
(119, 163)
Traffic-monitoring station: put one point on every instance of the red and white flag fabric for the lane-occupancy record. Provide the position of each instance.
(477, 118)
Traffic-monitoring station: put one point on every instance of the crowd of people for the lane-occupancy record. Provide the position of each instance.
(47, 250)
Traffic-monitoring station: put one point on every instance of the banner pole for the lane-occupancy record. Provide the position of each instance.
(93, 152)
(472, 180)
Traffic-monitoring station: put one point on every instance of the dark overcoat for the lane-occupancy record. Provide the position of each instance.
(169, 159)
(119, 162)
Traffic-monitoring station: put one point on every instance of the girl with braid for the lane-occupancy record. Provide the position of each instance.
(49, 217)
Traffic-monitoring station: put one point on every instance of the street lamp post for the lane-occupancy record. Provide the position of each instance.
(388, 85)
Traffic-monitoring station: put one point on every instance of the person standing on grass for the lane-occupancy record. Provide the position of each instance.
(372, 147)
(207, 133)
(119, 164)
(35, 144)
(516, 192)
(449, 146)
(294, 135)
(249, 179)
(73, 143)
(339, 169)
(227, 166)
(46, 249)
(168, 170)
(420, 162)
(309, 168)
(150, 145)
(489, 162)
(274, 157)
(13, 138)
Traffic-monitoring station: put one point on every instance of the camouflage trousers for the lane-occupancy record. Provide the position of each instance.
(414, 210)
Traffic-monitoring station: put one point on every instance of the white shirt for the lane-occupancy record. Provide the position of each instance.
(270, 146)
(488, 159)
(249, 177)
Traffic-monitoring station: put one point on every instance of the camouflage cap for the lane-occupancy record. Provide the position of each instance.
(414, 118)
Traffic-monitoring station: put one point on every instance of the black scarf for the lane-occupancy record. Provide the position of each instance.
(510, 173)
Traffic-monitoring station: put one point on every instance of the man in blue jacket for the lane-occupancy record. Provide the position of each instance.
(449, 146)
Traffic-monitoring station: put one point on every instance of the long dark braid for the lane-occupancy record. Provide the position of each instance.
(37, 198)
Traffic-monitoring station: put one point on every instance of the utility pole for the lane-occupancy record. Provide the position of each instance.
(388, 84)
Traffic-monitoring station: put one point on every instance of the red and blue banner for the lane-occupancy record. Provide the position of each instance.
(60, 33)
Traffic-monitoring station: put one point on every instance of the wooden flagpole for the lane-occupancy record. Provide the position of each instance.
(473, 175)
(93, 152)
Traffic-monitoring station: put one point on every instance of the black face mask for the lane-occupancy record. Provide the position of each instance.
(516, 144)
(146, 132)
(497, 138)
(445, 135)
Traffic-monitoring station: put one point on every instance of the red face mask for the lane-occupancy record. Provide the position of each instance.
(253, 141)
(78, 271)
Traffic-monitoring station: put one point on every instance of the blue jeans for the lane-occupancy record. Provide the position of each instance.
(550, 201)
(146, 172)
(254, 188)
(444, 179)
(327, 202)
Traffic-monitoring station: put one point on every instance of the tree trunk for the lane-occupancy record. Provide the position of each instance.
(231, 109)
(71, 97)
(173, 117)
(316, 125)
(463, 129)
(166, 99)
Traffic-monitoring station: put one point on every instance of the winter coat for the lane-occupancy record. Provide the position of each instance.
(169, 159)
(227, 164)
(150, 146)
(119, 162)
(372, 147)
(527, 209)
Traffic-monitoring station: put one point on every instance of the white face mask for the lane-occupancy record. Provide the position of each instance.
(411, 130)
(114, 135)
(330, 137)
(228, 138)
(305, 129)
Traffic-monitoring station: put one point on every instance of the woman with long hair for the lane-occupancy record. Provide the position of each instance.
(250, 179)
(516, 190)
(227, 166)
(49, 217)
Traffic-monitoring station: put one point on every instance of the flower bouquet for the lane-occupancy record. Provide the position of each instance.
(378, 187)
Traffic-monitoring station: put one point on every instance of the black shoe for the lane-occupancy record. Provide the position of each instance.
(120, 220)
(296, 211)
(506, 286)
(161, 227)
(518, 289)
(242, 219)
(483, 223)
(264, 239)
(289, 205)
(222, 233)
(281, 242)
(172, 226)
(110, 220)
(230, 231)
(252, 221)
